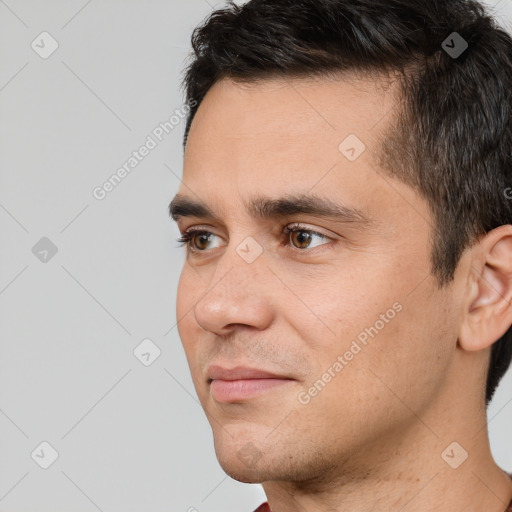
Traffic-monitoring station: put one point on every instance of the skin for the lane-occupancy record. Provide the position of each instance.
(373, 437)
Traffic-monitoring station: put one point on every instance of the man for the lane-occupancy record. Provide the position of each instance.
(346, 204)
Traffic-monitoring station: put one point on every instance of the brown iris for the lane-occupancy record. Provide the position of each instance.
(303, 237)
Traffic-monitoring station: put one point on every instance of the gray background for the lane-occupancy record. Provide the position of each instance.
(129, 437)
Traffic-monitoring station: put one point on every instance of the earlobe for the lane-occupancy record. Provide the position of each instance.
(489, 307)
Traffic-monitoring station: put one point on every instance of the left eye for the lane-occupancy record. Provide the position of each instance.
(303, 238)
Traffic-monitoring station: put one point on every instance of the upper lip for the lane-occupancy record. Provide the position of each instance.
(240, 372)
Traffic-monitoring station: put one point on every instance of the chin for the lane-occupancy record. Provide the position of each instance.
(244, 475)
(247, 472)
(242, 459)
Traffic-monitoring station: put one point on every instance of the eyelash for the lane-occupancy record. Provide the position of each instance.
(189, 235)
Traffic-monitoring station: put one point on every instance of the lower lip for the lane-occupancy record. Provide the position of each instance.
(235, 390)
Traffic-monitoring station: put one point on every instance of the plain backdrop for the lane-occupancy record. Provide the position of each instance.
(84, 281)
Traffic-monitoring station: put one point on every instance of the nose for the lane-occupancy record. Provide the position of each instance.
(238, 294)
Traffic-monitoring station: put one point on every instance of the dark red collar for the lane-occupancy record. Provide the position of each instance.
(264, 507)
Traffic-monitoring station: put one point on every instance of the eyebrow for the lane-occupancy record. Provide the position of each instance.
(260, 207)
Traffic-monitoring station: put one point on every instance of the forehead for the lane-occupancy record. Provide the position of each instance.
(318, 108)
(277, 137)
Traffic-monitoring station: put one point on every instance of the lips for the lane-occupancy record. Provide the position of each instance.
(241, 383)
(240, 373)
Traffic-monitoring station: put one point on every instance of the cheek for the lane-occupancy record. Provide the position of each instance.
(360, 388)
(378, 328)
(407, 359)
(183, 297)
(186, 297)
(190, 290)
(336, 311)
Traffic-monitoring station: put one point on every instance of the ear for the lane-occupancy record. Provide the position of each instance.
(488, 309)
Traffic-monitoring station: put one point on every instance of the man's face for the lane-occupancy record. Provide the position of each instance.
(350, 316)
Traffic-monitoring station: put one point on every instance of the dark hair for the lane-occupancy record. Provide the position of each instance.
(452, 138)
